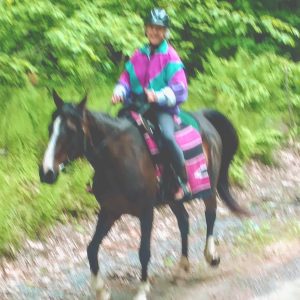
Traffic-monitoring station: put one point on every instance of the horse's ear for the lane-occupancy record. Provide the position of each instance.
(82, 103)
(57, 100)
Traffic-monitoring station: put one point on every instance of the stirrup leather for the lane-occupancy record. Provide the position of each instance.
(184, 189)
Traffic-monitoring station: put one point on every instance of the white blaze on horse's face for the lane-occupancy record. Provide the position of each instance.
(48, 162)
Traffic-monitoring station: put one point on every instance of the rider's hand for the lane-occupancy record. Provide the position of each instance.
(151, 96)
(115, 99)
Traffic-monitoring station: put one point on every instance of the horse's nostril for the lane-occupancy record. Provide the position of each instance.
(48, 177)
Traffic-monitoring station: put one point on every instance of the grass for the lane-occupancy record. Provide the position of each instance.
(27, 207)
(254, 236)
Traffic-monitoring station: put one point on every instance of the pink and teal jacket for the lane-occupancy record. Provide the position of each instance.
(163, 72)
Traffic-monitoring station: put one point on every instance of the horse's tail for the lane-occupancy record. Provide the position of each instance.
(230, 142)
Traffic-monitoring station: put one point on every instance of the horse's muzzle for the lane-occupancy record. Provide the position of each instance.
(48, 177)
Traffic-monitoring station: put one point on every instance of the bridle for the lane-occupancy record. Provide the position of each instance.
(98, 149)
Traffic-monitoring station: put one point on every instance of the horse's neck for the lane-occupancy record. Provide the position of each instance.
(103, 130)
(99, 126)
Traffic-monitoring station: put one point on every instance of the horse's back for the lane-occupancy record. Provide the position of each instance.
(207, 129)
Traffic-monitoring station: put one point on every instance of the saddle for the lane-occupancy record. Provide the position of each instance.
(188, 137)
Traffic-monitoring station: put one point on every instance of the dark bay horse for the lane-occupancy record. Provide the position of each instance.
(125, 180)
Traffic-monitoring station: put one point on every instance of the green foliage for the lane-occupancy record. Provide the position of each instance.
(223, 27)
(75, 46)
(259, 93)
(26, 205)
(13, 70)
(78, 42)
(256, 235)
(283, 10)
(64, 41)
(29, 207)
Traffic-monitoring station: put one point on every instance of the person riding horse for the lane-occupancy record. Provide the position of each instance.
(157, 71)
(125, 179)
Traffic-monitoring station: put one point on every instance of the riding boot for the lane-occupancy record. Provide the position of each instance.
(184, 190)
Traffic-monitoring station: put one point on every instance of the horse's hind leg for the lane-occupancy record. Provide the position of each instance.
(210, 253)
(183, 223)
(146, 223)
(104, 224)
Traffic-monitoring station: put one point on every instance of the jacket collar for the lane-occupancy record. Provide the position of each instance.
(162, 48)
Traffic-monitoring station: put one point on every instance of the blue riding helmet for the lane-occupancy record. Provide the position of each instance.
(158, 16)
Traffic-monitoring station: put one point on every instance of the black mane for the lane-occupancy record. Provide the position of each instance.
(118, 124)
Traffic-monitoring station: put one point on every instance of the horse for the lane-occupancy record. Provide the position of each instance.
(124, 179)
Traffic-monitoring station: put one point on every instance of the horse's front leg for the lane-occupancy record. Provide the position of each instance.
(182, 217)
(105, 222)
(210, 252)
(146, 222)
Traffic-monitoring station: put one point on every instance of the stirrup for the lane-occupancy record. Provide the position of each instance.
(184, 192)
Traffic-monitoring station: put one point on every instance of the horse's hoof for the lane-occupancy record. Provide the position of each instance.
(102, 291)
(210, 253)
(104, 294)
(143, 290)
(181, 271)
(215, 262)
(178, 277)
(140, 297)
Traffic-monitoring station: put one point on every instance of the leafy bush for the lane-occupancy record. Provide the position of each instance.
(259, 93)
(81, 45)
(78, 43)
(26, 205)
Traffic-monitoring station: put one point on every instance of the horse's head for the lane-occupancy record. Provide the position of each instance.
(67, 138)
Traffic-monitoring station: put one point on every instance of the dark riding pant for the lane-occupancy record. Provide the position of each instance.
(167, 128)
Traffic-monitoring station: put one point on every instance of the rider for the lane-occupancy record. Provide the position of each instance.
(156, 70)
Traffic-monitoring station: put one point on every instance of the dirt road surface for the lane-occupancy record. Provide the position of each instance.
(260, 257)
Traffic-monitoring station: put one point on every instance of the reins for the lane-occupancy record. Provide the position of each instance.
(141, 108)
(103, 143)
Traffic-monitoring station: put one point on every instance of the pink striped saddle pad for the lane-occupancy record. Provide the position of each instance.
(190, 141)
